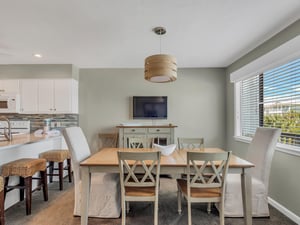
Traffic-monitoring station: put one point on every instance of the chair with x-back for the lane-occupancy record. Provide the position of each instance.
(190, 143)
(140, 142)
(206, 175)
(139, 188)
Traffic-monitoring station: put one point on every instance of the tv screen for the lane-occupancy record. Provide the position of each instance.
(150, 107)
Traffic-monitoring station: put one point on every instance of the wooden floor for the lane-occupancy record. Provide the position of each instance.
(59, 211)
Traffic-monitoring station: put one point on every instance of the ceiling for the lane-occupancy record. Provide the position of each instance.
(118, 33)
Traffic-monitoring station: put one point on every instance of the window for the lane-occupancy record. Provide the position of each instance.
(271, 99)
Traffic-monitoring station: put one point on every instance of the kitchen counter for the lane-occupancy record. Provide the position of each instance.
(22, 139)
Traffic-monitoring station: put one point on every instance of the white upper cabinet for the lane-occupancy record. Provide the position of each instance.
(58, 96)
(51, 96)
(29, 96)
(9, 86)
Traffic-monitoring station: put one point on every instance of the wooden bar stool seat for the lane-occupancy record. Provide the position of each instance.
(58, 156)
(1, 201)
(25, 168)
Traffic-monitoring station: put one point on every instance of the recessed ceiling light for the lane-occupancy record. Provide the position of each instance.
(37, 55)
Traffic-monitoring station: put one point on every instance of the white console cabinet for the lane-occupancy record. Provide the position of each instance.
(163, 135)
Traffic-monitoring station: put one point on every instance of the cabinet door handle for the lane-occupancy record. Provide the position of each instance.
(158, 130)
(133, 130)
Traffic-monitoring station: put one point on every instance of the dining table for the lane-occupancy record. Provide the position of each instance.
(106, 160)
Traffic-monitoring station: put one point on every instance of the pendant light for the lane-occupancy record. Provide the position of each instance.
(160, 68)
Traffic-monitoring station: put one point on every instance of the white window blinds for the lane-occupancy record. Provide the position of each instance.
(249, 106)
(281, 101)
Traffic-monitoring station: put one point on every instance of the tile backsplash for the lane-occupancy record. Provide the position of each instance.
(57, 121)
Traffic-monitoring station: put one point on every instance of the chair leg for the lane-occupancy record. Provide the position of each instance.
(127, 207)
(51, 170)
(179, 200)
(209, 207)
(28, 187)
(156, 212)
(69, 170)
(6, 179)
(123, 211)
(61, 174)
(22, 189)
(2, 219)
(189, 213)
(44, 183)
(221, 213)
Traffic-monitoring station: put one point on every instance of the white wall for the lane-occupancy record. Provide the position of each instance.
(196, 102)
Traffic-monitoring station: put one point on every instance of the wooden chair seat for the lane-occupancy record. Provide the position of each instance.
(25, 168)
(58, 156)
(199, 193)
(140, 191)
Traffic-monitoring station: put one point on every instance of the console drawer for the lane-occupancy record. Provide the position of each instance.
(134, 130)
(158, 130)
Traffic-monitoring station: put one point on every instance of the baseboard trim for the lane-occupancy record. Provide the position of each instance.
(284, 210)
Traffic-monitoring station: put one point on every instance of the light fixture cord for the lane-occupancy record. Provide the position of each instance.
(160, 41)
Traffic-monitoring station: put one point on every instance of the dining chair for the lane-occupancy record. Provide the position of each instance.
(135, 187)
(105, 187)
(190, 143)
(260, 153)
(108, 140)
(140, 142)
(203, 186)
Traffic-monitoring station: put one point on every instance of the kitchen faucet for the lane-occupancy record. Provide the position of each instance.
(7, 134)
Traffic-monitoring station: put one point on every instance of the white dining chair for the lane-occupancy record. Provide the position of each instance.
(140, 142)
(190, 143)
(202, 186)
(260, 153)
(105, 197)
(135, 187)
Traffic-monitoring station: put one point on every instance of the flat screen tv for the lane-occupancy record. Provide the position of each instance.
(150, 107)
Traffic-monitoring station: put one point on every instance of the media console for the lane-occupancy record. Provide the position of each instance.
(163, 135)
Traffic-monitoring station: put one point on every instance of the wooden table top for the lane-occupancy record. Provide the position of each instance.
(108, 157)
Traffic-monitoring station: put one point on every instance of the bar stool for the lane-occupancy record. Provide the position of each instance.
(25, 168)
(58, 156)
(1, 201)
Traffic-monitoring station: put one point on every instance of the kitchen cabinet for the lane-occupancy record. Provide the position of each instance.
(29, 96)
(162, 135)
(9, 86)
(49, 96)
(58, 96)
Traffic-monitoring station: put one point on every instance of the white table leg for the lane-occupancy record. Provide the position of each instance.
(85, 194)
(246, 194)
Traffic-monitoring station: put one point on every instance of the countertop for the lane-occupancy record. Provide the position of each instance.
(23, 139)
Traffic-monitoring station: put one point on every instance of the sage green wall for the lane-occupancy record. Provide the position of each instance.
(196, 102)
(284, 178)
(20, 71)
